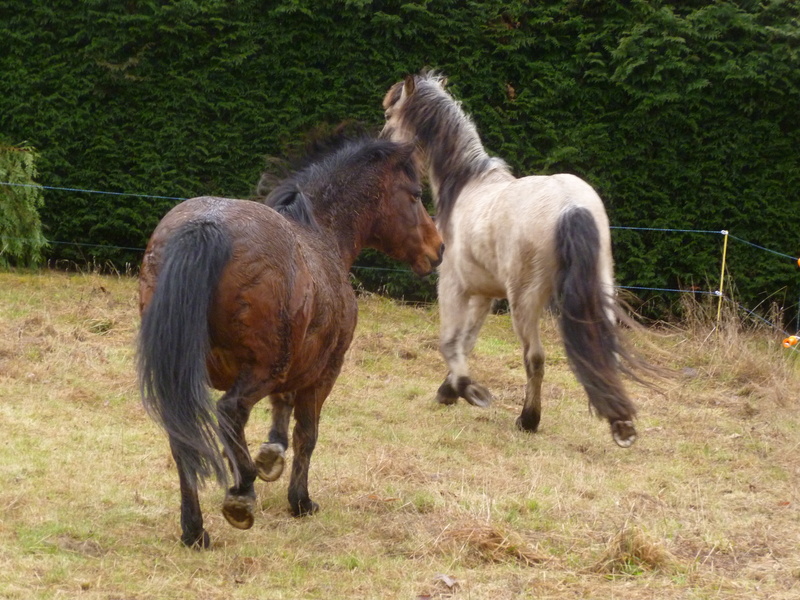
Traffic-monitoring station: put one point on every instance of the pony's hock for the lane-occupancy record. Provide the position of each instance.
(257, 301)
(532, 240)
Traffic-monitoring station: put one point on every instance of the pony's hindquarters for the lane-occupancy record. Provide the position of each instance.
(584, 295)
(174, 342)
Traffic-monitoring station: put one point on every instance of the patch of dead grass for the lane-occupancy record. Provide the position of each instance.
(414, 495)
(632, 550)
(488, 543)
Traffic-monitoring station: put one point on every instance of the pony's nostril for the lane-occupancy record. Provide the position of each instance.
(435, 263)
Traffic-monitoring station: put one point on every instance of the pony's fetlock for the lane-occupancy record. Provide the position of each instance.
(196, 541)
(446, 394)
(304, 508)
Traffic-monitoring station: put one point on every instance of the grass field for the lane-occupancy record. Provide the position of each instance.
(417, 500)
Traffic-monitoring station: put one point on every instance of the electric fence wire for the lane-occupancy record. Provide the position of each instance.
(750, 313)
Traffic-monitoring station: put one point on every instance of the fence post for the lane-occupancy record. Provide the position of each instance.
(722, 274)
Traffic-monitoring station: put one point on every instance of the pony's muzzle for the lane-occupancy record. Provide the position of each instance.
(435, 263)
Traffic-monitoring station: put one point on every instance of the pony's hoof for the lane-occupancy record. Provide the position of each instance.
(199, 541)
(446, 394)
(446, 400)
(305, 509)
(530, 425)
(238, 510)
(477, 395)
(624, 433)
(270, 461)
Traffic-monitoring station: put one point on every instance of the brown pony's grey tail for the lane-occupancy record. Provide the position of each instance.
(173, 345)
(589, 334)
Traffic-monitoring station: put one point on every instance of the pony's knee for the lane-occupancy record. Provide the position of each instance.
(230, 411)
(534, 365)
(449, 348)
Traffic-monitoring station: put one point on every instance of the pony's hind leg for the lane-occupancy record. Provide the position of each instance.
(271, 456)
(193, 535)
(307, 407)
(462, 320)
(525, 314)
(531, 414)
(233, 410)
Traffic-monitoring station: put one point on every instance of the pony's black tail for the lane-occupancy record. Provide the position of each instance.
(587, 309)
(173, 346)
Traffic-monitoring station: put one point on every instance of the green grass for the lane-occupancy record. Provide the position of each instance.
(418, 500)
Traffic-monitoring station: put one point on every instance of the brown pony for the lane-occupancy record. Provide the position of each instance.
(256, 300)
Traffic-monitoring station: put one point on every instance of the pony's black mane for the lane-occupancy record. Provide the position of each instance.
(449, 138)
(335, 168)
(292, 203)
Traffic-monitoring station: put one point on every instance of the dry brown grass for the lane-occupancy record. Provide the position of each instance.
(632, 551)
(485, 543)
(418, 500)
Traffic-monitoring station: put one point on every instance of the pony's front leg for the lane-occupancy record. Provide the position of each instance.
(462, 319)
(192, 533)
(271, 456)
(233, 411)
(307, 407)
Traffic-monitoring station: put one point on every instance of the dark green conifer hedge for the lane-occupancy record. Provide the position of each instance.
(682, 115)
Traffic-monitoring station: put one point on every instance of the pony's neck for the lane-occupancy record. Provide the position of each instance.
(454, 153)
(450, 169)
(342, 229)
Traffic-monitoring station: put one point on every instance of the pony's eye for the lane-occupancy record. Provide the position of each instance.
(387, 113)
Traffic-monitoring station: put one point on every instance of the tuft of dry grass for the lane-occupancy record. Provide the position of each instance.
(489, 543)
(631, 551)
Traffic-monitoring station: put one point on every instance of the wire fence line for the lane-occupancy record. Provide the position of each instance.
(69, 189)
(727, 235)
(180, 198)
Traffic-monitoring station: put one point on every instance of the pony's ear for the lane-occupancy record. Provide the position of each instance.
(409, 85)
